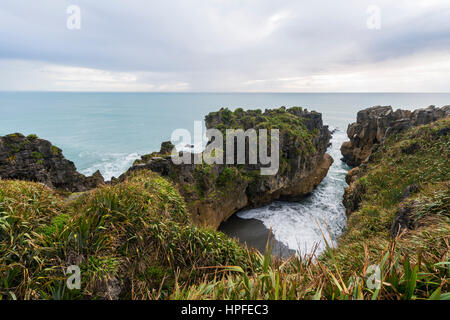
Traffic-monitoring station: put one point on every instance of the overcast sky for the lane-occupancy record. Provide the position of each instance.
(226, 45)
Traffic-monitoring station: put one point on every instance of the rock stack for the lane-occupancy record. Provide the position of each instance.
(33, 159)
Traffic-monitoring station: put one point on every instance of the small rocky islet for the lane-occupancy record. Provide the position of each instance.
(151, 231)
(215, 192)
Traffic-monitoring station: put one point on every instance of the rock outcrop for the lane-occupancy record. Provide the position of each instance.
(369, 132)
(33, 159)
(215, 192)
(374, 124)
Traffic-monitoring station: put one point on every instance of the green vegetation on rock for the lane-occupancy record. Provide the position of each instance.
(32, 136)
(56, 150)
(406, 179)
(283, 119)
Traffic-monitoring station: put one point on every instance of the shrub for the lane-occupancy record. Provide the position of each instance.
(32, 136)
(143, 223)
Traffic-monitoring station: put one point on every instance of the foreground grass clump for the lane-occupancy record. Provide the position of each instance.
(27, 264)
(142, 225)
(408, 174)
(130, 240)
(296, 278)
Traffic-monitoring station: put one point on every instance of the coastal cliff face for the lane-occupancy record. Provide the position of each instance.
(398, 199)
(33, 159)
(374, 124)
(368, 135)
(215, 192)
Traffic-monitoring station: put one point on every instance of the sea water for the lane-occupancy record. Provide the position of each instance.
(304, 226)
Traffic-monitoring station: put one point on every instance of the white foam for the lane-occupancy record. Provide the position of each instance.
(303, 225)
(110, 164)
(114, 164)
(299, 225)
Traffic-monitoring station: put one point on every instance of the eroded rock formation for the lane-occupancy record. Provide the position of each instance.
(367, 134)
(373, 124)
(215, 192)
(33, 159)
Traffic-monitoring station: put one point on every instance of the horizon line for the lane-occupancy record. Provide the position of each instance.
(231, 92)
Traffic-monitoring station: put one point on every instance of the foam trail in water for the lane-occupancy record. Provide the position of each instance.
(303, 225)
(109, 164)
(114, 164)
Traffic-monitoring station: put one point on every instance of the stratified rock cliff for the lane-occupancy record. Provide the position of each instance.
(368, 135)
(374, 124)
(33, 159)
(398, 200)
(215, 192)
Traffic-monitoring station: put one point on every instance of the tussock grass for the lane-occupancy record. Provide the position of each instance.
(304, 278)
(27, 261)
(126, 238)
(415, 265)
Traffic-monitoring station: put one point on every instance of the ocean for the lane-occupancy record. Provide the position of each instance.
(108, 131)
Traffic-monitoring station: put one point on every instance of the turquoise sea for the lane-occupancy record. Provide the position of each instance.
(107, 131)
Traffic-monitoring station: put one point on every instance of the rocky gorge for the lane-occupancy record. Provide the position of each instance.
(215, 192)
(212, 192)
(149, 234)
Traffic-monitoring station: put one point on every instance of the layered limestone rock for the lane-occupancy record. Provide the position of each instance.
(33, 159)
(374, 124)
(215, 192)
(367, 134)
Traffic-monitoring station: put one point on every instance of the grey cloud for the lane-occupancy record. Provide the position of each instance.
(216, 44)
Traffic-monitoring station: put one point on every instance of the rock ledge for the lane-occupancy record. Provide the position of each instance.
(33, 159)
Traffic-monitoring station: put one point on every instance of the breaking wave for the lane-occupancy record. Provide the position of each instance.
(304, 225)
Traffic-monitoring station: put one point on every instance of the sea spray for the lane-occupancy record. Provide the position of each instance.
(109, 164)
(302, 226)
